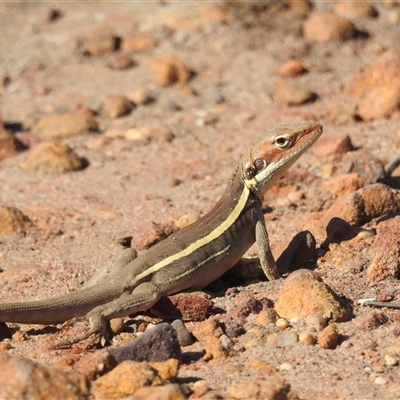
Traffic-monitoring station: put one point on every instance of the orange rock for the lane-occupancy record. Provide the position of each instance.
(13, 220)
(94, 365)
(290, 68)
(149, 133)
(66, 125)
(263, 367)
(290, 93)
(214, 12)
(268, 388)
(328, 337)
(167, 369)
(139, 97)
(9, 145)
(379, 102)
(343, 184)
(298, 8)
(355, 9)
(170, 391)
(384, 70)
(169, 70)
(100, 43)
(207, 330)
(150, 234)
(125, 379)
(304, 293)
(23, 378)
(115, 106)
(323, 26)
(364, 204)
(332, 145)
(52, 156)
(141, 43)
(377, 89)
(385, 251)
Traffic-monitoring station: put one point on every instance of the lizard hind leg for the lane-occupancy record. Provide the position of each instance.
(143, 297)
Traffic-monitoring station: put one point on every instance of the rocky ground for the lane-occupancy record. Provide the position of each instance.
(125, 120)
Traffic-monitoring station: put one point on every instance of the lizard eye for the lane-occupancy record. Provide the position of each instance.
(282, 142)
(259, 164)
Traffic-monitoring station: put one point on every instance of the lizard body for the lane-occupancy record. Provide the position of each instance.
(190, 258)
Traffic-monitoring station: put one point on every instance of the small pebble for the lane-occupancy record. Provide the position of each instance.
(266, 317)
(120, 61)
(346, 344)
(282, 323)
(317, 321)
(283, 339)
(226, 343)
(290, 68)
(286, 367)
(328, 337)
(390, 361)
(379, 380)
(169, 70)
(393, 16)
(115, 106)
(184, 336)
(117, 325)
(139, 97)
(4, 346)
(307, 338)
(185, 220)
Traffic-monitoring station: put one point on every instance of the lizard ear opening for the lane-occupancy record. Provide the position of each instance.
(260, 164)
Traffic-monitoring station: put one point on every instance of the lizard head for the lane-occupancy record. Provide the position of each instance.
(269, 158)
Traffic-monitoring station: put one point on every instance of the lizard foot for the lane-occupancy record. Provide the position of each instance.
(97, 331)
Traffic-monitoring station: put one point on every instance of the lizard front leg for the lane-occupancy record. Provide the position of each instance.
(143, 297)
(264, 251)
(115, 264)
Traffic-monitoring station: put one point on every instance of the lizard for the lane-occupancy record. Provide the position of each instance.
(190, 258)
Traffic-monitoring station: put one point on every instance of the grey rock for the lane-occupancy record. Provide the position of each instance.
(157, 344)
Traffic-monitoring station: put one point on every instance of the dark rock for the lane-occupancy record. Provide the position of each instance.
(157, 344)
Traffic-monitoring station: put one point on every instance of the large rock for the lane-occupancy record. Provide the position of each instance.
(52, 156)
(305, 293)
(22, 378)
(66, 125)
(385, 251)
